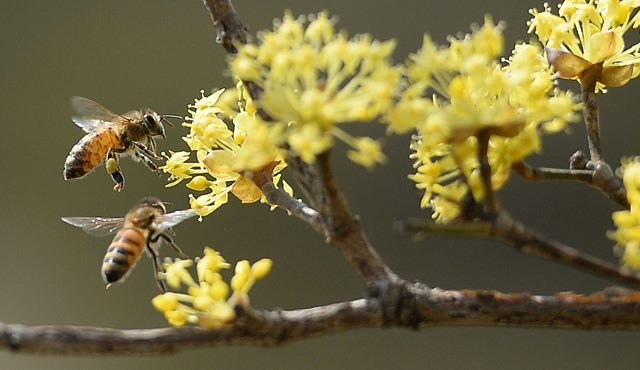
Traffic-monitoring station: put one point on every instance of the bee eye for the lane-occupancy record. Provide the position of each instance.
(149, 120)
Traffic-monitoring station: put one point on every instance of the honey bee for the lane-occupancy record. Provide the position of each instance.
(110, 135)
(143, 227)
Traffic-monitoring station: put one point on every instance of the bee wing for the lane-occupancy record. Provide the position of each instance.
(170, 220)
(91, 116)
(98, 226)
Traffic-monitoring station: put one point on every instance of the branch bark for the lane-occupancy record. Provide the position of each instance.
(341, 227)
(590, 110)
(600, 176)
(412, 306)
(527, 241)
(531, 242)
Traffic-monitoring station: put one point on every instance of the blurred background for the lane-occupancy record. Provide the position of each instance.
(160, 54)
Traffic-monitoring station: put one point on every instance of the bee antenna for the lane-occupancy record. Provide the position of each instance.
(164, 117)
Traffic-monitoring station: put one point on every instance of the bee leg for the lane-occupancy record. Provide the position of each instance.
(147, 161)
(113, 169)
(173, 245)
(146, 151)
(157, 269)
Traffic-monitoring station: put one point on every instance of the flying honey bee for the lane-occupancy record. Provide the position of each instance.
(110, 135)
(142, 228)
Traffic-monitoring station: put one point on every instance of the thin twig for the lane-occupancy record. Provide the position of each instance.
(600, 177)
(526, 241)
(590, 110)
(229, 27)
(485, 169)
(415, 306)
(531, 242)
(278, 197)
(422, 228)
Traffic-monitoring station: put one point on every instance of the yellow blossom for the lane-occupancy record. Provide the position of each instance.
(313, 78)
(179, 169)
(627, 234)
(367, 152)
(590, 36)
(206, 302)
(308, 141)
(176, 273)
(165, 302)
(225, 155)
(473, 95)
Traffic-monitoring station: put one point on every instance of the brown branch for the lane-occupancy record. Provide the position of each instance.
(278, 197)
(341, 227)
(423, 228)
(411, 306)
(229, 27)
(485, 169)
(525, 240)
(531, 242)
(600, 177)
(588, 82)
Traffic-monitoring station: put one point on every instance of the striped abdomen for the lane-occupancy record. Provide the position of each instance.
(89, 152)
(123, 253)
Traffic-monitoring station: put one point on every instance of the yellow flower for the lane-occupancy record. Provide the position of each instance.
(588, 35)
(367, 152)
(308, 141)
(473, 95)
(627, 234)
(210, 264)
(207, 302)
(176, 273)
(178, 167)
(314, 78)
(165, 302)
(207, 203)
(228, 156)
(246, 275)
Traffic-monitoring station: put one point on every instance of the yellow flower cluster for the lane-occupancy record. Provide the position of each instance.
(228, 156)
(627, 236)
(588, 36)
(313, 78)
(474, 96)
(207, 302)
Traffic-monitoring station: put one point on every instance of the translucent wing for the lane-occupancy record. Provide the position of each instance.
(91, 116)
(170, 220)
(98, 226)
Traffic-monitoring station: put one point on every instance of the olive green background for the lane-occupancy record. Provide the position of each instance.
(132, 54)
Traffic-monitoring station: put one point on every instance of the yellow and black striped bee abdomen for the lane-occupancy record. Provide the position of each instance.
(89, 152)
(123, 253)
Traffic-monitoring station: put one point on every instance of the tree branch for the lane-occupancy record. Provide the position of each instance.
(601, 177)
(341, 227)
(526, 241)
(531, 242)
(414, 306)
(590, 110)
(229, 27)
(278, 197)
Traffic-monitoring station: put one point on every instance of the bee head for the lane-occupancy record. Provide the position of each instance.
(151, 121)
(153, 202)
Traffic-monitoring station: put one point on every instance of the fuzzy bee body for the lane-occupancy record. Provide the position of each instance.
(89, 152)
(109, 136)
(123, 253)
(143, 228)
